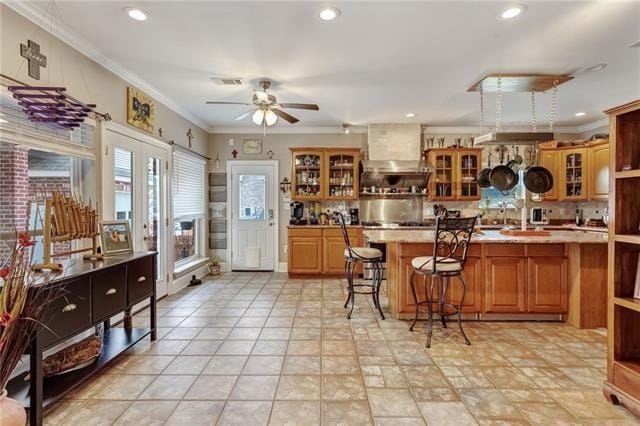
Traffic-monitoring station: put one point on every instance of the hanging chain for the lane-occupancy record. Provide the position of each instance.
(499, 103)
(534, 119)
(481, 109)
(554, 99)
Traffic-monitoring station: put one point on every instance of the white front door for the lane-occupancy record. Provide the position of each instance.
(254, 217)
(135, 189)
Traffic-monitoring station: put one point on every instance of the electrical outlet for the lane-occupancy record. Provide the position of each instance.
(286, 248)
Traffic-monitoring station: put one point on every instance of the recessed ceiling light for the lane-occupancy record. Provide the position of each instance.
(409, 115)
(594, 68)
(136, 14)
(580, 114)
(513, 11)
(329, 13)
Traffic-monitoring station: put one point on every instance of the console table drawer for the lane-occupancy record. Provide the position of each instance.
(108, 292)
(68, 313)
(140, 279)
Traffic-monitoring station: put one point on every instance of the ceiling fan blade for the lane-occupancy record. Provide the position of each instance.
(290, 118)
(226, 103)
(313, 107)
(245, 115)
(261, 95)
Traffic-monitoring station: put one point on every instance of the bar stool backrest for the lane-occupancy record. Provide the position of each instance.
(453, 235)
(339, 217)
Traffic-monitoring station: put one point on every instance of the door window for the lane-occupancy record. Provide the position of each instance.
(252, 197)
(123, 185)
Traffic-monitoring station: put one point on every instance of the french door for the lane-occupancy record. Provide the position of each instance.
(135, 189)
(254, 214)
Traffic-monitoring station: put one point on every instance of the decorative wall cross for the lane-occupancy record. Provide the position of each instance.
(36, 59)
(189, 136)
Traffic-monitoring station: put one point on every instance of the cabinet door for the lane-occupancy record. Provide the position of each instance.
(441, 183)
(307, 175)
(573, 175)
(305, 255)
(550, 160)
(333, 257)
(599, 172)
(473, 278)
(469, 165)
(504, 284)
(341, 174)
(547, 285)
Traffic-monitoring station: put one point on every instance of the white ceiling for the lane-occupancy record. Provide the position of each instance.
(378, 61)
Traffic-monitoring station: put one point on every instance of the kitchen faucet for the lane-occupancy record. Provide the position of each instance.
(504, 205)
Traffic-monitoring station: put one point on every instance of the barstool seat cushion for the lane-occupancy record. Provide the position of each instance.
(363, 253)
(425, 263)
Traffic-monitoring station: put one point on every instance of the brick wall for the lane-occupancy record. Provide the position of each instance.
(14, 194)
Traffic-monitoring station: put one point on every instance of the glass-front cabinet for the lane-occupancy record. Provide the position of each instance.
(307, 176)
(324, 173)
(455, 173)
(573, 174)
(342, 174)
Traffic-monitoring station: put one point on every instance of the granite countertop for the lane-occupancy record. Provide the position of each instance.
(321, 226)
(490, 236)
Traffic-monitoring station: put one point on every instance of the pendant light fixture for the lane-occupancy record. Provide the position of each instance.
(258, 117)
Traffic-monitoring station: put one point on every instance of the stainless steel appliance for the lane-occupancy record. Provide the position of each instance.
(539, 216)
(355, 219)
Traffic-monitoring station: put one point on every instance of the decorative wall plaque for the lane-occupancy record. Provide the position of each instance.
(31, 52)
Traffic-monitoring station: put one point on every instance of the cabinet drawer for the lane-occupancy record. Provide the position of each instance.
(552, 250)
(309, 232)
(68, 313)
(108, 292)
(139, 279)
(504, 250)
(354, 233)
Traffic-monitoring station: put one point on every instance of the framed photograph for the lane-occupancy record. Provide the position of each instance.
(116, 237)
(252, 146)
(141, 111)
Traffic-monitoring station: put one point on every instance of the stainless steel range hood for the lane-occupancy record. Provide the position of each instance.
(517, 138)
(396, 167)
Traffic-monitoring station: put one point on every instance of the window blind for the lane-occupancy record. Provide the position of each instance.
(188, 186)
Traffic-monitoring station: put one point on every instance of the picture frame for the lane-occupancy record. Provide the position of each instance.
(636, 289)
(252, 146)
(141, 110)
(115, 237)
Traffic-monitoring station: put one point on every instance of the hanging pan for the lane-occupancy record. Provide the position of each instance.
(483, 176)
(502, 177)
(538, 179)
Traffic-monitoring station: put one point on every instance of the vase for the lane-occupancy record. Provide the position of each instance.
(11, 411)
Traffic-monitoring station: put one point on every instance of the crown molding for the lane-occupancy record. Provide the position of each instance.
(257, 130)
(76, 41)
(593, 125)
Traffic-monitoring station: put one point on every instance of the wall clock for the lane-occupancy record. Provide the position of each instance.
(252, 146)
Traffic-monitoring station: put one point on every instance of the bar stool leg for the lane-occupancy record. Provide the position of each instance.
(352, 289)
(412, 284)
(464, 292)
(350, 286)
(430, 302)
(376, 290)
(444, 281)
(374, 267)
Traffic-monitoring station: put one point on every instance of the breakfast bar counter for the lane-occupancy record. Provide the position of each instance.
(560, 276)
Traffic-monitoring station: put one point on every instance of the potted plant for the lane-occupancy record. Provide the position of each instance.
(22, 303)
(214, 266)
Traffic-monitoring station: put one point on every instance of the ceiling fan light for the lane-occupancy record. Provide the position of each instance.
(270, 117)
(258, 117)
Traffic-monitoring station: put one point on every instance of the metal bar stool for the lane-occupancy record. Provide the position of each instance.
(360, 255)
(450, 249)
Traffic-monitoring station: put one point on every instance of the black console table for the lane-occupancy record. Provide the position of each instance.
(92, 293)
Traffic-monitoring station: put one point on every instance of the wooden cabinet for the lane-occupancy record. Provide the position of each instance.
(550, 160)
(317, 250)
(341, 172)
(455, 173)
(547, 290)
(324, 173)
(573, 174)
(504, 284)
(474, 279)
(599, 170)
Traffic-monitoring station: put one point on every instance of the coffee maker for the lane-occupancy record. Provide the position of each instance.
(297, 214)
(355, 220)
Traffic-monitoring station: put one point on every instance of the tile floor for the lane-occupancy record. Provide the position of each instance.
(251, 349)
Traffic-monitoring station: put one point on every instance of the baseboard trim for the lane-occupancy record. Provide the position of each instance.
(283, 267)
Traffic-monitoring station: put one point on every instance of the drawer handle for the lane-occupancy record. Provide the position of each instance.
(111, 291)
(142, 279)
(70, 307)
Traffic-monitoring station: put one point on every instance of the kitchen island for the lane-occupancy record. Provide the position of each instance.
(561, 276)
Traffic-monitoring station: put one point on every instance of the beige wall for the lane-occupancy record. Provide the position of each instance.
(279, 144)
(83, 78)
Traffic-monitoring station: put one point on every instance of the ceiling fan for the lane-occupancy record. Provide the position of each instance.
(267, 109)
